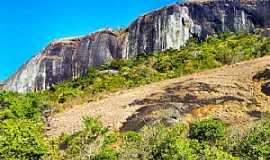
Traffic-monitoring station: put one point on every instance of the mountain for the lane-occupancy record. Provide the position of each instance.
(168, 27)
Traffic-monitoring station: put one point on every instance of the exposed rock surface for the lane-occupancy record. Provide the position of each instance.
(2, 83)
(169, 27)
(264, 78)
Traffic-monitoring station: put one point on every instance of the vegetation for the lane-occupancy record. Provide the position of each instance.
(207, 130)
(256, 144)
(21, 128)
(165, 143)
(92, 142)
(21, 139)
(22, 131)
(18, 106)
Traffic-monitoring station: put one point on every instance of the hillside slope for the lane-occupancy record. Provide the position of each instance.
(228, 93)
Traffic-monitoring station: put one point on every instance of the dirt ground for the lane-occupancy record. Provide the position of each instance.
(228, 93)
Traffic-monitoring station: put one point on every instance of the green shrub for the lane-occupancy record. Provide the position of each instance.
(213, 153)
(157, 143)
(110, 138)
(171, 144)
(92, 141)
(131, 136)
(173, 148)
(256, 144)
(93, 127)
(207, 130)
(16, 106)
(22, 139)
(106, 154)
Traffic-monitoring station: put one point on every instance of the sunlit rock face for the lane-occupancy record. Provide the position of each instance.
(168, 27)
(65, 59)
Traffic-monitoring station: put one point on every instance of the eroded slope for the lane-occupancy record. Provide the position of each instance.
(229, 93)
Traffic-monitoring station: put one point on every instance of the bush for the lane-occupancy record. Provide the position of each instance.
(106, 154)
(173, 148)
(16, 106)
(93, 127)
(171, 144)
(256, 144)
(22, 139)
(131, 136)
(110, 138)
(207, 130)
(157, 143)
(93, 141)
(213, 153)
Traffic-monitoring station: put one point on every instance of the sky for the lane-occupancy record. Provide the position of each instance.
(27, 26)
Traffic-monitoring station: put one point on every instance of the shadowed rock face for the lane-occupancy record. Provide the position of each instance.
(2, 83)
(166, 28)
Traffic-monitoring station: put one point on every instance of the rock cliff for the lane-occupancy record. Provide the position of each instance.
(168, 27)
(2, 83)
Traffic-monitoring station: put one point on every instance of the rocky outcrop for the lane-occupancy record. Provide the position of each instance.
(2, 83)
(264, 78)
(65, 59)
(169, 27)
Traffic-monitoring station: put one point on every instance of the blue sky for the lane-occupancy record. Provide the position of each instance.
(27, 26)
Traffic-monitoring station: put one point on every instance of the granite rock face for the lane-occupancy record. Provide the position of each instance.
(168, 27)
(2, 83)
